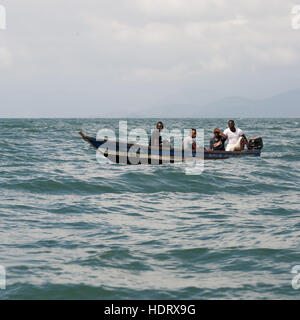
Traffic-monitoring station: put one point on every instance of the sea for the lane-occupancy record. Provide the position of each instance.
(76, 226)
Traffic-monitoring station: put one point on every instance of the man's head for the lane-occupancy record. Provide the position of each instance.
(159, 126)
(217, 132)
(193, 133)
(231, 124)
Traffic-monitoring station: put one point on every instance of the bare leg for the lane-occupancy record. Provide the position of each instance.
(243, 142)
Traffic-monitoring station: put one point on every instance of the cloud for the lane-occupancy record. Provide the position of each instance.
(205, 36)
(240, 39)
(79, 46)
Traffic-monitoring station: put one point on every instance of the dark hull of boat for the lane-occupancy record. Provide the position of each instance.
(127, 153)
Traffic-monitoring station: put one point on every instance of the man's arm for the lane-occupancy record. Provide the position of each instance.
(243, 135)
(222, 134)
(246, 141)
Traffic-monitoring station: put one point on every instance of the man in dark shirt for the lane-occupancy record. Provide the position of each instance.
(155, 139)
(218, 141)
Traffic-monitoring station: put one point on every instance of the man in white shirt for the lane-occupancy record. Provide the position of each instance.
(189, 142)
(236, 138)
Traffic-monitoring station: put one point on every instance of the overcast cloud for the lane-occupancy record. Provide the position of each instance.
(92, 58)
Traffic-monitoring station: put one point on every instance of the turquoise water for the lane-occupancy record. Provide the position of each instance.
(74, 227)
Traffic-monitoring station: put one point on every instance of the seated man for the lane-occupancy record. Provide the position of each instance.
(156, 139)
(218, 141)
(236, 138)
(189, 141)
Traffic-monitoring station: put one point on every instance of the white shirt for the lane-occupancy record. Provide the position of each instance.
(187, 142)
(233, 137)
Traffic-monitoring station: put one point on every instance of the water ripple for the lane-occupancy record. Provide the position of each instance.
(75, 228)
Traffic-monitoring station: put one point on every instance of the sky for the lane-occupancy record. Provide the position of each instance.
(92, 58)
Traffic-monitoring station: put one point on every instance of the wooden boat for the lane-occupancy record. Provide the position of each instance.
(128, 153)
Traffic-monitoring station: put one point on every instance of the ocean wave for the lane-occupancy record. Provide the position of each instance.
(75, 228)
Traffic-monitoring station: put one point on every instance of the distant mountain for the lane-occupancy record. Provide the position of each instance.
(227, 107)
(286, 104)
